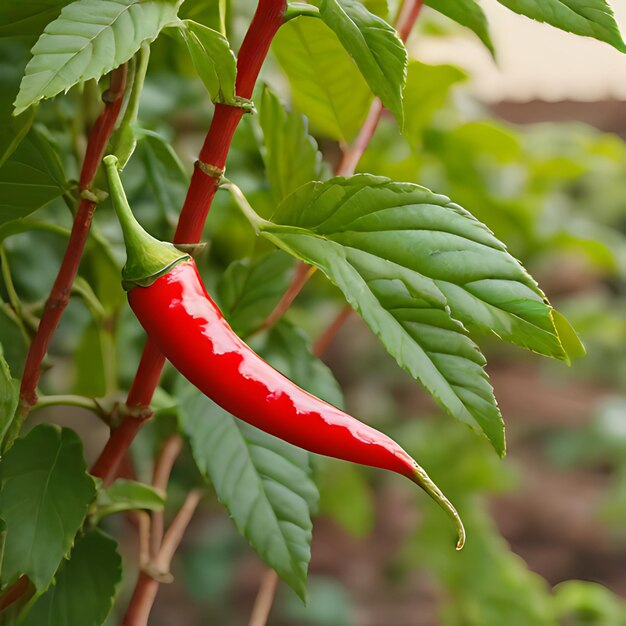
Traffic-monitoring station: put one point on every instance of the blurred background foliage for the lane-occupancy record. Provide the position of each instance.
(546, 526)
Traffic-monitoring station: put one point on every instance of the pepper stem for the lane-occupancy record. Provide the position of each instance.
(421, 478)
(147, 258)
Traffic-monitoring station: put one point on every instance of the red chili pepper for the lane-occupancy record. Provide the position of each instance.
(168, 297)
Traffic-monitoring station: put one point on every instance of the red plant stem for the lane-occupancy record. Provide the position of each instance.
(264, 599)
(60, 293)
(265, 23)
(145, 382)
(301, 276)
(409, 12)
(16, 591)
(160, 478)
(147, 586)
(328, 336)
(352, 156)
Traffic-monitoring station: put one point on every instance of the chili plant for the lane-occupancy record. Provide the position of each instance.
(430, 280)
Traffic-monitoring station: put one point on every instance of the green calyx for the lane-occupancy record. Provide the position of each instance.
(147, 258)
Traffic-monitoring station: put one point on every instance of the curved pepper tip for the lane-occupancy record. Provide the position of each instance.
(421, 478)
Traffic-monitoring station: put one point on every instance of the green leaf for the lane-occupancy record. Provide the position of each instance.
(325, 84)
(213, 59)
(377, 263)
(249, 291)
(589, 18)
(426, 90)
(13, 129)
(14, 340)
(486, 139)
(13, 58)
(572, 344)
(89, 39)
(9, 396)
(468, 13)
(27, 18)
(264, 483)
(378, 7)
(412, 263)
(208, 12)
(585, 602)
(416, 229)
(85, 586)
(375, 47)
(128, 495)
(291, 155)
(165, 173)
(30, 179)
(44, 495)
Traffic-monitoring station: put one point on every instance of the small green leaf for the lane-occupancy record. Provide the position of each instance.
(572, 344)
(213, 59)
(325, 84)
(427, 87)
(44, 495)
(128, 495)
(9, 396)
(30, 179)
(264, 483)
(27, 18)
(585, 602)
(14, 340)
(85, 586)
(89, 39)
(378, 7)
(249, 291)
(13, 58)
(468, 13)
(291, 155)
(166, 175)
(487, 139)
(13, 130)
(375, 47)
(589, 18)
(34, 164)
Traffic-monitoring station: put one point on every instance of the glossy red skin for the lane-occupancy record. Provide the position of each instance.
(191, 332)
